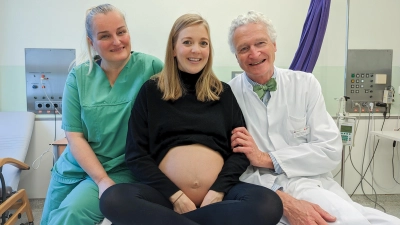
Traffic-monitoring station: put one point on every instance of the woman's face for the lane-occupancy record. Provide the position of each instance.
(111, 38)
(192, 49)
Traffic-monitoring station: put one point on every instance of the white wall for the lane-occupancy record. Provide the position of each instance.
(59, 24)
(36, 180)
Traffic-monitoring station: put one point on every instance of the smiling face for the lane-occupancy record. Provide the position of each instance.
(192, 49)
(111, 39)
(255, 51)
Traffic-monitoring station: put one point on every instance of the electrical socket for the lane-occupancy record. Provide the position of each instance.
(46, 105)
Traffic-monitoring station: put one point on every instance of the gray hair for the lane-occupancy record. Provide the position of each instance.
(90, 14)
(250, 17)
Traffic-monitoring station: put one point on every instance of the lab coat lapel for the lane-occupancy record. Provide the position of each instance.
(277, 113)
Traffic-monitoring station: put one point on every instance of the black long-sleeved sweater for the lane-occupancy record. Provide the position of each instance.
(156, 126)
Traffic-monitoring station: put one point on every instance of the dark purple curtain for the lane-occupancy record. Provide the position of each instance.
(312, 36)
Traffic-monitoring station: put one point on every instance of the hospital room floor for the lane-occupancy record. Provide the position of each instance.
(391, 203)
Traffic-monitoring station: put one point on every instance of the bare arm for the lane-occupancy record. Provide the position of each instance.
(86, 158)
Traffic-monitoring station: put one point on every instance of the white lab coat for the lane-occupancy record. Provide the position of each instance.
(298, 131)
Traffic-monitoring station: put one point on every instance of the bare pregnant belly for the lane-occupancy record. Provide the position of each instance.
(193, 168)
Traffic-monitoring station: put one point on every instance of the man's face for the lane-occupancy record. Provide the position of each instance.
(255, 51)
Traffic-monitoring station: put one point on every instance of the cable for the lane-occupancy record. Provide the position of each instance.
(394, 145)
(358, 119)
(373, 189)
(44, 90)
(362, 168)
(41, 156)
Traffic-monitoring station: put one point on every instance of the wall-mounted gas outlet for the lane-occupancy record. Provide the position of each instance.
(47, 106)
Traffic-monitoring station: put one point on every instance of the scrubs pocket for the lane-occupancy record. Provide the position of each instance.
(90, 117)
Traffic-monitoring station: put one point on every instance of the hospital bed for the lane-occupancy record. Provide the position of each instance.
(15, 134)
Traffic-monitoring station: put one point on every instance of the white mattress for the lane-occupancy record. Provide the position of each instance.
(15, 134)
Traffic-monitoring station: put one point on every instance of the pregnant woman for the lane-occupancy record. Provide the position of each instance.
(178, 146)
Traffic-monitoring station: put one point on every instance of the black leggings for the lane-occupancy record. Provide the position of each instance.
(141, 204)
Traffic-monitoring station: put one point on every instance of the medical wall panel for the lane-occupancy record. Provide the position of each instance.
(368, 81)
(46, 71)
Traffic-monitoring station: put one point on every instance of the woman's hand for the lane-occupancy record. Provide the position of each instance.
(182, 204)
(104, 183)
(212, 197)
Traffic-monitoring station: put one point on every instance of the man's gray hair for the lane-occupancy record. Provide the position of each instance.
(250, 17)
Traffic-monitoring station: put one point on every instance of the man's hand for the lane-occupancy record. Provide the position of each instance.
(212, 197)
(300, 212)
(243, 142)
(104, 183)
(182, 204)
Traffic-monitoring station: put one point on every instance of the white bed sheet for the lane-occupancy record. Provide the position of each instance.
(15, 135)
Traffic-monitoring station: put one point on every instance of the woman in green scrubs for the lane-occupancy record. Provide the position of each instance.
(97, 101)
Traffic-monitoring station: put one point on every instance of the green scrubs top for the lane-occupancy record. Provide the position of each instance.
(101, 112)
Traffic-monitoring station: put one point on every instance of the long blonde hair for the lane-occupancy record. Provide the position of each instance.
(208, 87)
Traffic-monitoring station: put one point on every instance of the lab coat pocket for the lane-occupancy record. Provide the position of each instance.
(298, 130)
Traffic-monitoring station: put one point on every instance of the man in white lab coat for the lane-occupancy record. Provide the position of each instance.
(293, 144)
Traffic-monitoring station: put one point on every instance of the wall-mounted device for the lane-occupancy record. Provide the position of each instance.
(387, 96)
(368, 75)
(46, 71)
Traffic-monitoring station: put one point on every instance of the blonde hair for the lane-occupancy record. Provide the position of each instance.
(90, 14)
(208, 87)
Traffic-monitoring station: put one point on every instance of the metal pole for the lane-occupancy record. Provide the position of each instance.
(342, 166)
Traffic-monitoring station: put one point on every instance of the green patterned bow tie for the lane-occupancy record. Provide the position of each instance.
(261, 89)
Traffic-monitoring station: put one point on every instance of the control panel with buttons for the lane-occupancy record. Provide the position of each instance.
(368, 74)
